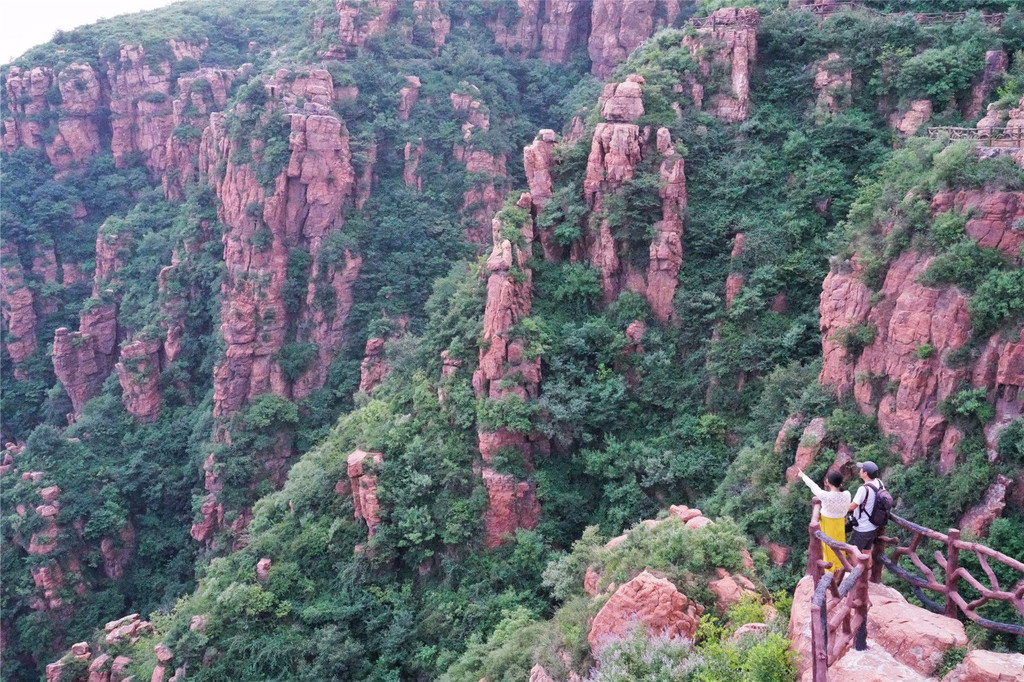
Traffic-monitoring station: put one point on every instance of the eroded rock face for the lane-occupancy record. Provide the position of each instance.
(358, 20)
(141, 115)
(505, 371)
(617, 27)
(411, 173)
(652, 602)
(138, 371)
(979, 517)
(913, 636)
(910, 121)
(988, 666)
(31, 95)
(993, 216)
(995, 65)
(199, 93)
(811, 444)
(730, 41)
(616, 152)
(905, 373)
(374, 366)
(16, 308)
(265, 228)
(363, 478)
(483, 199)
(666, 252)
(734, 282)
(551, 30)
(82, 360)
(833, 80)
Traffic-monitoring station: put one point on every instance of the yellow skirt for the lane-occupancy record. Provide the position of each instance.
(835, 529)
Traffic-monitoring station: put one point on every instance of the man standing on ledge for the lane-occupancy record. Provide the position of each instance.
(863, 504)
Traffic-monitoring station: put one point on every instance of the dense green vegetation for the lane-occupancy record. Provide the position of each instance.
(692, 419)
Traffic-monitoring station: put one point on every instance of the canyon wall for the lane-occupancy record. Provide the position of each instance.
(919, 345)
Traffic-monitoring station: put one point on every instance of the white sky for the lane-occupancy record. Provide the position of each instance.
(26, 24)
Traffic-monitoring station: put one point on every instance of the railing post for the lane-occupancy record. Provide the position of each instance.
(952, 563)
(860, 642)
(877, 550)
(814, 553)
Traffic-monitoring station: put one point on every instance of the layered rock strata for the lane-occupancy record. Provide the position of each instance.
(266, 227)
(82, 360)
(483, 199)
(617, 150)
(729, 41)
(508, 372)
(16, 308)
(617, 27)
(906, 372)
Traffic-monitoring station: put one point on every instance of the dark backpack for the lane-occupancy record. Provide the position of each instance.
(883, 506)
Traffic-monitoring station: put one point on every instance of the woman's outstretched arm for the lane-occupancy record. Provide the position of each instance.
(818, 492)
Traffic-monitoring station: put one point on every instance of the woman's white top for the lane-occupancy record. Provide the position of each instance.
(834, 505)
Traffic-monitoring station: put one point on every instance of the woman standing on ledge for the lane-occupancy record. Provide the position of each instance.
(835, 502)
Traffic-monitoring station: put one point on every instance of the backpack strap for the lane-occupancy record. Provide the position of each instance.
(860, 509)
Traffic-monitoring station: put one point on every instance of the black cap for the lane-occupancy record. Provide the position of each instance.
(870, 468)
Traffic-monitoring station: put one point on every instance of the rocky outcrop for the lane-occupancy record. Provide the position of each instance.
(995, 66)
(487, 192)
(16, 308)
(648, 601)
(117, 553)
(374, 367)
(199, 93)
(359, 20)
(141, 115)
(730, 589)
(82, 360)
(408, 95)
(508, 372)
(539, 163)
(138, 371)
(431, 19)
(411, 173)
(988, 666)
(617, 27)
(905, 642)
(910, 121)
(268, 228)
(992, 217)
(833, 79)
(811, 444)
(913, 636)
(734, 282)
(72, 97)
(979, 517)
(729, 40)
(617, 150)
(904, 373)
(362, 475)
(666, 252)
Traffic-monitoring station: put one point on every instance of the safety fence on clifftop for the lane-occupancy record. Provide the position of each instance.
(1009, 138)
(832, 634)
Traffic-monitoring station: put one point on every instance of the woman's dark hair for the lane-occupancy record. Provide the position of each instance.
(835, 478)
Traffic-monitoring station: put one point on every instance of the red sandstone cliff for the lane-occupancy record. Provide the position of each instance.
(731, 42)
(138, 371)
(74, 94)
(264, 226)
(82, 360)
(483, 199)
(906, 372)
(617, 150)
(617, 27)
(506, 370)
(16, 308)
